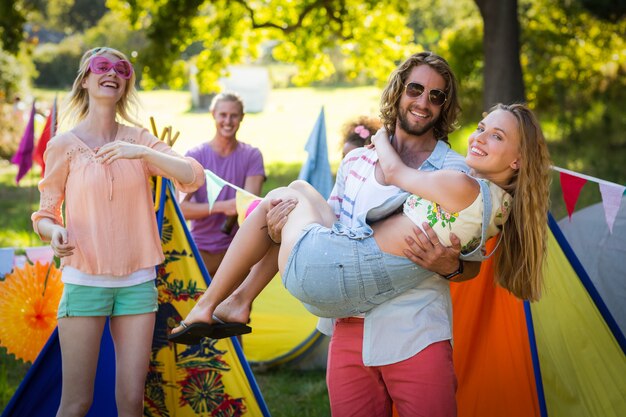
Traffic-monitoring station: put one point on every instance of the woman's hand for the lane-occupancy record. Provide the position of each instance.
(59, 243)
(380, 136)
(120, 149)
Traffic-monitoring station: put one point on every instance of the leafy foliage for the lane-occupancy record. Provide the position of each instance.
(56, 63)
(462, 46)
(11, 76)
(611, 10)
(12, 18)
(75, 15)
(570, 56)
(370, 36)
(575, 70)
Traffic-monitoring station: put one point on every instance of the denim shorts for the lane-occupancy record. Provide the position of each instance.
(341, 272)
(86, 301)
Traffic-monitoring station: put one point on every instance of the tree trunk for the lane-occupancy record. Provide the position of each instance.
(502, 73)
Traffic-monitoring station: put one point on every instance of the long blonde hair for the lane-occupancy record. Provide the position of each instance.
(76, 105)
(519, 259)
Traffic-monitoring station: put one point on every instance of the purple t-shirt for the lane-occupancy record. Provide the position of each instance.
(245, 161)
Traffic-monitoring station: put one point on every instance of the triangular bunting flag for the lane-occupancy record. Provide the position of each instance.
(48, 133)
(316, 169)
(24, 155)
(611, 200)
(214, 185)
(571, 186)
(245, 203)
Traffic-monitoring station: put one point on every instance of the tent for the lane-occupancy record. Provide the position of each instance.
(602, 253)
(182, 381)
(562, 356)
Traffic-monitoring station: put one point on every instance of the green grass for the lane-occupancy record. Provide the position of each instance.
(16, 205)
(290, 393)
(12, 372)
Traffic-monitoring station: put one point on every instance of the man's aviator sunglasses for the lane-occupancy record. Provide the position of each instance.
(436, 97)
(102, 65)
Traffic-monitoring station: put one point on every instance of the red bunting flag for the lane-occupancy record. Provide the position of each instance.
(24, 155)
(48, 133)
(571, 186)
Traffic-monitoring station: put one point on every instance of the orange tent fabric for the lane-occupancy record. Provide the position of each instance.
(491, 346)
(492, 350)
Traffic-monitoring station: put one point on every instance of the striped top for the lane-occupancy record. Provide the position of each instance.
(360, 163)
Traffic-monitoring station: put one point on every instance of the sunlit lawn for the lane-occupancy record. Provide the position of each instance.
(281, 130)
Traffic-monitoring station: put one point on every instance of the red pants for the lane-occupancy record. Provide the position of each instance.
(423, 385)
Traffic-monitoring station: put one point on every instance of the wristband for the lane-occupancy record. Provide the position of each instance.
(455, 273)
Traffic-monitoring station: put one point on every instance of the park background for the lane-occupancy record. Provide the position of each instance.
(566, 58)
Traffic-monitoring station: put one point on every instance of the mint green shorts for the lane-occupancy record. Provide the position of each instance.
(86, 301)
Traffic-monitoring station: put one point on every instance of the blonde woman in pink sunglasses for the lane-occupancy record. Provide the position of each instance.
(106, 236)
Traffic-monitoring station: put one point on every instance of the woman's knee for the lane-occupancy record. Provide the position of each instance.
(300, 186)
(129, 403)
(282, 193)
(75, 407)
(277, 193)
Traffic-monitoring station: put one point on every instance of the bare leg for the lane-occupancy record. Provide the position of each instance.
(132, 336)
(251, 244)
(80, 346)
(236, 308)
(212, 261)
(311, 205)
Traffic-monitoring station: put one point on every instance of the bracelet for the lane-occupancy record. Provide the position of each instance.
(455, 273)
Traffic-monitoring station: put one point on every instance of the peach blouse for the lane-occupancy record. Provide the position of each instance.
(109, 209)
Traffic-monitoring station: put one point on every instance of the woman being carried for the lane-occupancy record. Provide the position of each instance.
(338, 272)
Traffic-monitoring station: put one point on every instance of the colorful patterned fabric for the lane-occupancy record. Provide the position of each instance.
(212, 377)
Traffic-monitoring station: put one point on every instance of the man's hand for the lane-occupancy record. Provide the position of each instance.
(277, 217)
(428, 252)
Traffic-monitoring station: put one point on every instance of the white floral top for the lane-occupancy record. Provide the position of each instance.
(467, 223)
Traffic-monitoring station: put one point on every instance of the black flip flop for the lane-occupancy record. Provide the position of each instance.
(222, 330)
(192, 334)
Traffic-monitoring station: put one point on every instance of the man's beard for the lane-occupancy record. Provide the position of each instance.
(415, 131)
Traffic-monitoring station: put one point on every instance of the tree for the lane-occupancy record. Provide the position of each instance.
(502, 68)
(12, 20)
(609, 10)
(370, 35)
(74, 15)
